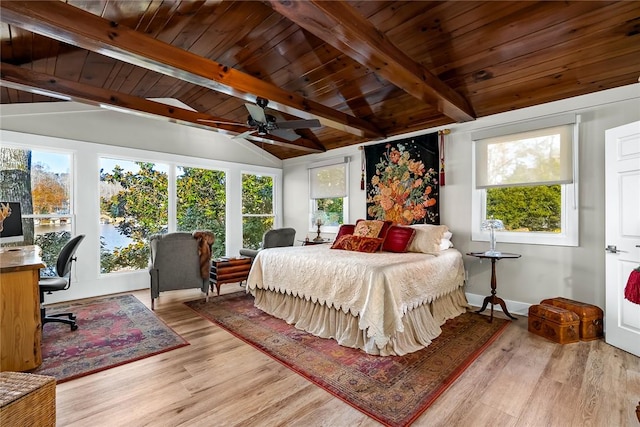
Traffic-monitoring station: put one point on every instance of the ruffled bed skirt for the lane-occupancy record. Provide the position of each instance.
(421, 325)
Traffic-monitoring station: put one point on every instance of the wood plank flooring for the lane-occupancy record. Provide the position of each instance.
(218, 380)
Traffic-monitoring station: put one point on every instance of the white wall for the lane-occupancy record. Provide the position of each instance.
(543, 271)
(70, 120)
(88, 133)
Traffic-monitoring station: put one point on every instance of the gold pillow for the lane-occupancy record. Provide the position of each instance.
(368, 228)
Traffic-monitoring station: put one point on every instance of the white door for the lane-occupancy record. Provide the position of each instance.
(622, 216)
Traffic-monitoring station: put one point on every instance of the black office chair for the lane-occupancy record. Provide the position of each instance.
(60, 282)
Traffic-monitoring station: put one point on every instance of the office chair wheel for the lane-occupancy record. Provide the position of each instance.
(74, 327)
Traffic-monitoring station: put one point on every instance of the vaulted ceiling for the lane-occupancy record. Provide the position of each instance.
(364, 69)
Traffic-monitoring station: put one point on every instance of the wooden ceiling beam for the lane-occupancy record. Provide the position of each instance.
(74, 26)
(340, 25)
(15, 77)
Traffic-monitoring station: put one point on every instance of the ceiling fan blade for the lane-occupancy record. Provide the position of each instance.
(287, 134)
(299, 124)
(243, 134)
(218, 122)
(257, 113)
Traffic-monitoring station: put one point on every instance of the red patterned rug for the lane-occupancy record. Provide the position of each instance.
(393, 390)
(111, 331)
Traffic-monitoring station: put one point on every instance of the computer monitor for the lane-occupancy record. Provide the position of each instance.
(10, 223)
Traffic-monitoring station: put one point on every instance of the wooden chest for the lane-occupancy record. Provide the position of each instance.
(554, 323)
(229, 270)
(590, 316)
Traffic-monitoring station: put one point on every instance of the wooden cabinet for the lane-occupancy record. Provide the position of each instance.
(20, 323)
(229, 270)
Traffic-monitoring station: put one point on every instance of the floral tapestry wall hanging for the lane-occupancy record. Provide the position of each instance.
(402, 180)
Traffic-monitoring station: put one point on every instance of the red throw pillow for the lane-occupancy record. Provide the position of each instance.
(349, 242)
(345, 229)
(398, 239)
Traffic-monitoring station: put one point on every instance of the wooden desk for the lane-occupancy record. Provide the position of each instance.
(20, 323)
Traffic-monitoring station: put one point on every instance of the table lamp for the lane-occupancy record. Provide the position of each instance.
(319, 219)
(492, 225)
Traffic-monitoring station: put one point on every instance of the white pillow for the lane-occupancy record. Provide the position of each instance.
(428, 238)
(446, 242)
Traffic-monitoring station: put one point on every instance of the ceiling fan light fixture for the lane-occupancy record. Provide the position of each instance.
(271, 119)
(262, 129)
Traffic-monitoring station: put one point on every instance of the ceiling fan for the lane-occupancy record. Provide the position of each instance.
(262, 123)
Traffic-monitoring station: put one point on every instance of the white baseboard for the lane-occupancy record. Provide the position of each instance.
(514, 307)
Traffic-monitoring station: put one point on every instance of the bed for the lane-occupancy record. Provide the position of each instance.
(383, 303)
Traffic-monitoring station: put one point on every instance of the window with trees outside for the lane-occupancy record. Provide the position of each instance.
(135, 203)
(257, 208)
(524, 176)
(41, 181)
(201, 197)
(329, 191)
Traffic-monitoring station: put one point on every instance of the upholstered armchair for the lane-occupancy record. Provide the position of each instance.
(176, 263)
(275, 238)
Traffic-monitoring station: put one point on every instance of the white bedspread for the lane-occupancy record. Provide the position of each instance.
(378, 288)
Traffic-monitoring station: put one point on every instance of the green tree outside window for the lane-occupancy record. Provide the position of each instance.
(257, 208)
(527, 209)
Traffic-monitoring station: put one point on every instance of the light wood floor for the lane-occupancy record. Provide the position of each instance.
(218, 380)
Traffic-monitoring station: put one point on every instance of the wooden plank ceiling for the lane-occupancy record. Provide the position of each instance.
(365, 69)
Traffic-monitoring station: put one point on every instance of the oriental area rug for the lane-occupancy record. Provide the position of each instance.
(393, 390)
(111, 331)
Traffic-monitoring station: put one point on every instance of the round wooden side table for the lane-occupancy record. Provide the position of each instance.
(493, 299)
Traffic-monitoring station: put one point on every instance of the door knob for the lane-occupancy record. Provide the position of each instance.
(612, 249)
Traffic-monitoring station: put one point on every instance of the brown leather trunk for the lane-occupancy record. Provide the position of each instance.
(554, 323)
(590, 316)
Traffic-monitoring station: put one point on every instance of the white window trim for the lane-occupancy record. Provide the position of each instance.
(568, 237)
(72, 180)
(328, 228)
(275, 199)
(345, 200)
(569, 201)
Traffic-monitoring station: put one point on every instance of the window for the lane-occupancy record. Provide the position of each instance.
(328, 191)
(524, 176)
(201, 203)
(41, 182)
(257, 208)
(133, 206)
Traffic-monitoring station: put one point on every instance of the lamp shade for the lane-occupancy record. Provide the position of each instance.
(492, 224)
(320, 217)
